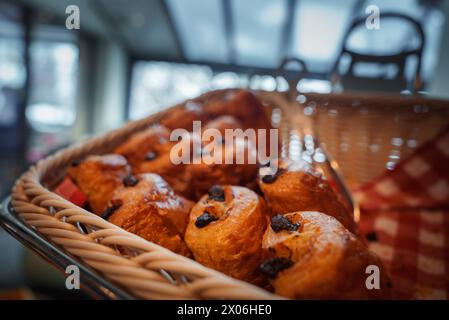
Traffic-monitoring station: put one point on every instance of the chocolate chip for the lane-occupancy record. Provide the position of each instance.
(280, 222)
(76, 163)
(130, 181)
(109, 210)
(150, 156)
(270, 178)
(271, 267)
(372, 237)
(216, 193)
(204, 219)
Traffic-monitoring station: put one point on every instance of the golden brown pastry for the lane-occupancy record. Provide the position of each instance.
(222, 123)
(183, 117)
(249, 110)
(225, 231)
(148, 207)
(149, 152)
(244, 106)
(146, 145)
(241, 104)
(315, 257)
(213, 168)
(98, 177)
(296, 186)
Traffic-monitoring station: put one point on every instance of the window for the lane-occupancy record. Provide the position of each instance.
(318, 29)
(51, 110)
(12, 80)
(258, 31)
(156, 85)
(253, 31)
(12, 67)
(53, 85)
(200, 24)
(384, 41)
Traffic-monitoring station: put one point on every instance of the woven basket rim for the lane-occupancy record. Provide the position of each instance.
(373, 99)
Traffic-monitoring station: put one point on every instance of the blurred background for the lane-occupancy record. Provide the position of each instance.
(136, 57)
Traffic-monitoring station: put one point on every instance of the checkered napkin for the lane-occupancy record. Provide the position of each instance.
(70, 191)
(405, 219)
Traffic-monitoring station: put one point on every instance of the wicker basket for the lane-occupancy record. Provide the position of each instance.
(143, 269)
(368, 134)
(363, 133)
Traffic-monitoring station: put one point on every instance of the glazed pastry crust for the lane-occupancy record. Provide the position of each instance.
(208, 172)
(183, 117)
(176, 175)
(329, 261)
(153, 211)
(222, 123)
(233, 243)
(299, 187)
(154, 139)
(98, 177)
(246, 108)
(242, 105)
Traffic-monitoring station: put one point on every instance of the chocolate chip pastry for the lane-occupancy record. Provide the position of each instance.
(240, 170)
(222, 123)
(315, 257)
(148, 207)
(296, 186)
(225, 232)
(145, 145)
(246, 108)
(98, 177)
(242, 105)
(149, 152)
(183, 116)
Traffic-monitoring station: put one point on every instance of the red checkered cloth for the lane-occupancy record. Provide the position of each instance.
(70, 191)
(405, 218)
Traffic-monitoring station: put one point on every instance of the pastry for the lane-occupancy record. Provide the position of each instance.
(148, 207)
(296, 186)
(150, 152)
(225, 231)
(98, 177)
(222, 123)
(315, 257)
(249, 110)
(233, 162)
(146, 145)
(183, 116)
(242, 105)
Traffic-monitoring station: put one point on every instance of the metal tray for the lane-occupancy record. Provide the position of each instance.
(91, 282)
